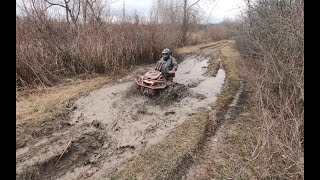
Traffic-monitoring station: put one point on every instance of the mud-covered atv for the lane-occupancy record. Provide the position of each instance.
(153, 81)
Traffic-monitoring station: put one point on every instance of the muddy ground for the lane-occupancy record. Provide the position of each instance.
(109, 126)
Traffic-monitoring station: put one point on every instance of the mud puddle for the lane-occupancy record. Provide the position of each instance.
(108, 127)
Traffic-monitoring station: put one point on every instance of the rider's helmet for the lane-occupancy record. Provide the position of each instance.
(166, 53)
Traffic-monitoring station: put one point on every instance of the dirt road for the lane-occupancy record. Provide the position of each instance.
(112, 125)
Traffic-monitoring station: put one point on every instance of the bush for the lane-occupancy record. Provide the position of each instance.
(209, 33)
(271, 41)
(48, 51)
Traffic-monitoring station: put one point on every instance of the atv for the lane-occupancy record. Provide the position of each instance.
(152, 81)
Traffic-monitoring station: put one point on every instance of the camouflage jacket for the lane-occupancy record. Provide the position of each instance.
(165, 66)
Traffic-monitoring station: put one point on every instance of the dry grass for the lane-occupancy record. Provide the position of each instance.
(51, 102)
(229, 159)
(50, 51)
(230, 63)
(232, 81)
(267, 140)
(244, 152)
(196, 48)
(209, 33)
(235, 157)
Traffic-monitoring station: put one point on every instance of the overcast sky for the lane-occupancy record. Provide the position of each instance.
(214, 11)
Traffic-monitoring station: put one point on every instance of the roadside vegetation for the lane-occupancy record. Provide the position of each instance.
(267, 141)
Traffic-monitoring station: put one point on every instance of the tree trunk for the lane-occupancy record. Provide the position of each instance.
(67, 11)
(84, 9)
(184, 28)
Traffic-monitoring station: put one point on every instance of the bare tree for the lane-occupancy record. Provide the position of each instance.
(84, 11)
(190, 16)
(96, 9)
(72, 11)
(166, 11)
(136, 17)
(92, 9)
(183, 12)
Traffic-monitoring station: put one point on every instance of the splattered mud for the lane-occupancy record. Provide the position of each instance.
(110, 126)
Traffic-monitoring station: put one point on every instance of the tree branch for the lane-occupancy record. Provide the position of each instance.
(54, 4)
(48, 6)
(193, 4)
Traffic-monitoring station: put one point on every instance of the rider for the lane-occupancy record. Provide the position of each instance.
(167, 64)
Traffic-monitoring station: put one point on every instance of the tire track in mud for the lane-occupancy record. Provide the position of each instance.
(202, 165)
(108, 128)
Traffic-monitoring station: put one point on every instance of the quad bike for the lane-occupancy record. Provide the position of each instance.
(153, 81)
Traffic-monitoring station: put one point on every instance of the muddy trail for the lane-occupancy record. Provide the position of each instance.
(111, 125)
(203, 165)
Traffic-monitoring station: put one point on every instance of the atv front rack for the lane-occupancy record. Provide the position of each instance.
(150, 83)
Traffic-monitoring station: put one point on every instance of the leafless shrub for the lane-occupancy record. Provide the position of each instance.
(186, 13)
(217, 32)
(209, 33)
(271, 41)
(48, 49)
